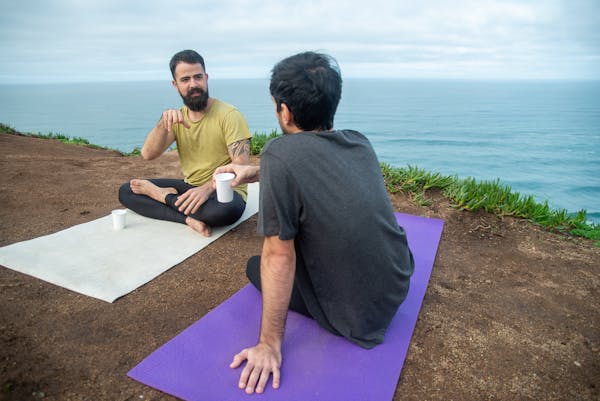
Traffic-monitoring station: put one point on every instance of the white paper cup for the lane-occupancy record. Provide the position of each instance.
(118, 216)
(224, 190)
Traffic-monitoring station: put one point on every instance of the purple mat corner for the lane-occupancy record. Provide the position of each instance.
(316, 364)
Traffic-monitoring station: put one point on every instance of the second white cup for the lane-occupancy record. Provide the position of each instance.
(224, 189)
(118, 216)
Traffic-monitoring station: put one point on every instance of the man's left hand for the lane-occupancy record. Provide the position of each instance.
(262, 361)
(190, 201)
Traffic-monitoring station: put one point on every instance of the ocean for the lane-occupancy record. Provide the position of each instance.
(539, 137)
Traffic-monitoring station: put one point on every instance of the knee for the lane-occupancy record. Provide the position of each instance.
(231, 216)
(124, 192)
(253, 271)
(223, 214)
(235, 209)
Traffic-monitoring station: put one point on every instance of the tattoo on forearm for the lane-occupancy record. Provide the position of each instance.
(240, 148)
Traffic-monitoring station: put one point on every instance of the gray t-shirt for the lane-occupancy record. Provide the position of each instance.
(325, 191)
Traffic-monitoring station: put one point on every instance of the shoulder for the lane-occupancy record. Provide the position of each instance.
(225, 111)
(283, 142)
(351, 134)
(352, 139)
(311, 139)
(222, 108)
(218, 104)
(271, 144)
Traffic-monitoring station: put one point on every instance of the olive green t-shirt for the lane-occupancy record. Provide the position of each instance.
(203, 147)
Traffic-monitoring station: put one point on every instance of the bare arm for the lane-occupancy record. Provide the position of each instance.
(161, 136)
(278, 266)
(277, 278)
(239, 152)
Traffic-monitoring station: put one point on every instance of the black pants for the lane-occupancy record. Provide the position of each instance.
(296, 302)
(212, 212)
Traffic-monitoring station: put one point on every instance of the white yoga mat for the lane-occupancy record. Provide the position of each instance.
(95, 260)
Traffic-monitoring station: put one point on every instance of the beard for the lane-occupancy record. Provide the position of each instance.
(195, 103)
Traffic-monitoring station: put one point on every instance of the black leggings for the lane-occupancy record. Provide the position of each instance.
(296, 302)
(212, 212)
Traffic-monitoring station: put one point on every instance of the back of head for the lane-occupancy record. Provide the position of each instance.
(188, 57)
(310, 84)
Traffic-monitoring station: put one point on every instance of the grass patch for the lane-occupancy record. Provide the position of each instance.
(259, 139)
(491, 196)
(137, 151)
(414, 181)
(5, 129)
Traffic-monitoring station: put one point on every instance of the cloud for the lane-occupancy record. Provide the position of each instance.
(63, 40)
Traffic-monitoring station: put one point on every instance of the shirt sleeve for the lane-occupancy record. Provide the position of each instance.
(279, 200)
(235, 127)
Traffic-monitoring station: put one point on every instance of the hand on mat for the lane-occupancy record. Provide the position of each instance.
(263, 360)
(190, 201)
(171, 117)
(244, 174)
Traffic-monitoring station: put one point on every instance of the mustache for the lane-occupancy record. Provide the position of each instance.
(195, 90)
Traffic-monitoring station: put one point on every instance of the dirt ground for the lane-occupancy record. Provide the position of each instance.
(512, 312)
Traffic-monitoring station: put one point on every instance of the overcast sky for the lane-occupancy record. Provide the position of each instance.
(106, 40)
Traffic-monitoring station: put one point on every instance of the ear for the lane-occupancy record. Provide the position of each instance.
(174, 83)
(286, 114)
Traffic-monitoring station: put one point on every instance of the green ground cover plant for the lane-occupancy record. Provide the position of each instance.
(259, 139)
(5, 129)
(491, 196)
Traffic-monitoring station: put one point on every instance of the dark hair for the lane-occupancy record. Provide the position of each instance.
(310, 84)
(185, 56)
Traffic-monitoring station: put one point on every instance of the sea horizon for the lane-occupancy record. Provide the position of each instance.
(540, 137)
(168, 79)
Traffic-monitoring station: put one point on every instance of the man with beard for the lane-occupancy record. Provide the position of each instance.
(209, 133)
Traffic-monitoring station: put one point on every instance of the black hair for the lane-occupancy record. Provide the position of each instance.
(185, 56)
(310, 84)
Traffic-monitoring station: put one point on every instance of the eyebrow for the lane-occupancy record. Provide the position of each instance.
(201, 74)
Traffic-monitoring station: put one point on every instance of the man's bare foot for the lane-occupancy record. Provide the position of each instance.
(146, 187)
(198, 226)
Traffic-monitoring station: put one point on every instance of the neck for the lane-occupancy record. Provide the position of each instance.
(296, 130)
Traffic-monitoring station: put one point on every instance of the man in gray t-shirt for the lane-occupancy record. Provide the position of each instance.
(325, 191)
(333, 249)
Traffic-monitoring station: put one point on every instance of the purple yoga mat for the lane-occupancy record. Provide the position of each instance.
(317, 365)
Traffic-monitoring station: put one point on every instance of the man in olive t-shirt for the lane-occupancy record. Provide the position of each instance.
(209, 133)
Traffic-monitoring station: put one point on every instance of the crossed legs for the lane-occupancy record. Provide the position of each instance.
(156, 197)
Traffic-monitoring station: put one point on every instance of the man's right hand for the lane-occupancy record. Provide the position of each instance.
(244, 174)
(171, 117)
(190, 201)
(262, 362)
